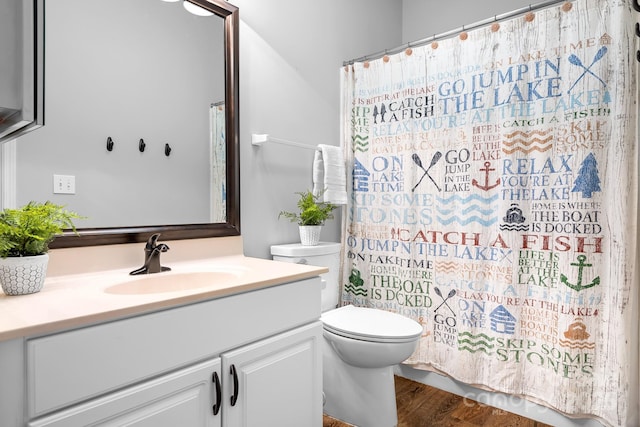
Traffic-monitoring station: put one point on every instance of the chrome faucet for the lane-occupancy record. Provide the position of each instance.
(152, 251)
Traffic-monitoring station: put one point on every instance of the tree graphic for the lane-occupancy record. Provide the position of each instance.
(588, 181)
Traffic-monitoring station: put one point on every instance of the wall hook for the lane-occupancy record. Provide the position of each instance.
(109, 144)
(141, 145)
(167, 150)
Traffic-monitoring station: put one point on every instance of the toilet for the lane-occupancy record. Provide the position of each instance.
(360, 347)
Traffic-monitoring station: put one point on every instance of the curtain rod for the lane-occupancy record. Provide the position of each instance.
(451, 33)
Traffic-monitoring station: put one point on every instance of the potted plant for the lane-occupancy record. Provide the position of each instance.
(311, 217)
(25, 234)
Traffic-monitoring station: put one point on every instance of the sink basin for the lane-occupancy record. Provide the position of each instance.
(172, 282)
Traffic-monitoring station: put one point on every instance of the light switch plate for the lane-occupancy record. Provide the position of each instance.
(64, 184)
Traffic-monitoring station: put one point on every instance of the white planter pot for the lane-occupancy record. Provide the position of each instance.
(310, 234)
(23, 275)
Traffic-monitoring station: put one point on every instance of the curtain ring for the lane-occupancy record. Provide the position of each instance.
(408, 51)
(463, 35)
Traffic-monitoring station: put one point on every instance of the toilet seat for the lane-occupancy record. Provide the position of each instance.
(368, 324)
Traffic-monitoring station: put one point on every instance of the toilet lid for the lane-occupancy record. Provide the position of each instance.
(370, 324)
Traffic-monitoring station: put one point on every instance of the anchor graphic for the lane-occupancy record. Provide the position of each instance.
(486, 186)
(579, 286)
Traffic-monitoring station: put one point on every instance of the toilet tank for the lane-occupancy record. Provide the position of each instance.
(324, 254)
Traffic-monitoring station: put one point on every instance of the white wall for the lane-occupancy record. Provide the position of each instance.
(290, 55)
(424, 18)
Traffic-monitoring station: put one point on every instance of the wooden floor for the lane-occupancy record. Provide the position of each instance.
(420, 405)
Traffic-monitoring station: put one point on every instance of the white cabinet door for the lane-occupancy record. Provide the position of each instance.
(275, 382)
(183, 398)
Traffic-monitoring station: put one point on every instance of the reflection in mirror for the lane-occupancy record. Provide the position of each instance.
(152, 76)
(141, 70)
(218, 156)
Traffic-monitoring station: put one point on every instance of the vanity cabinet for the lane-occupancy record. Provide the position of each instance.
(255, 356)
(271, 382)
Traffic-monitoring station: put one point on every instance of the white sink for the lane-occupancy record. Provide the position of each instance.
(173, 282)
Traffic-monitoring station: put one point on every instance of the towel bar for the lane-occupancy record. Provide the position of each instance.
(259, 139)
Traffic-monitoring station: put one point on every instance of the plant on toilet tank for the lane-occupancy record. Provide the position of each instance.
(311, 216)
(25, 234)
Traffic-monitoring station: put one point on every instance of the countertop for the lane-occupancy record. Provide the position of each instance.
(75, 300)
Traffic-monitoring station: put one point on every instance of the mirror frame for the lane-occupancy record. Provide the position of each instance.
(120, 235)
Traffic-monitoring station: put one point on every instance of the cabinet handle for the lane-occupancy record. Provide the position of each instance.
(216, 381)
(234, 396)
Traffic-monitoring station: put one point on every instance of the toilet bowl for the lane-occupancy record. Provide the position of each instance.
(360, 346)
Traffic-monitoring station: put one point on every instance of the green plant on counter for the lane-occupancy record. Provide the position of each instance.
(312, 212)
(27, 231)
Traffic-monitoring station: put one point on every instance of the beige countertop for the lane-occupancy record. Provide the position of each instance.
(75, 300)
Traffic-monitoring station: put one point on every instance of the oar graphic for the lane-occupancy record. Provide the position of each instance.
(576, 61)
(451, 293)
(417, 161)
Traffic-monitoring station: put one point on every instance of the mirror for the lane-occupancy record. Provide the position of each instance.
(153, 146)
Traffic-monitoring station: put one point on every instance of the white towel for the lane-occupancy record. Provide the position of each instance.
(329, 175)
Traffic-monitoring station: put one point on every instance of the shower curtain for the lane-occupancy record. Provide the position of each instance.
(493, 199)
(218, 170)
